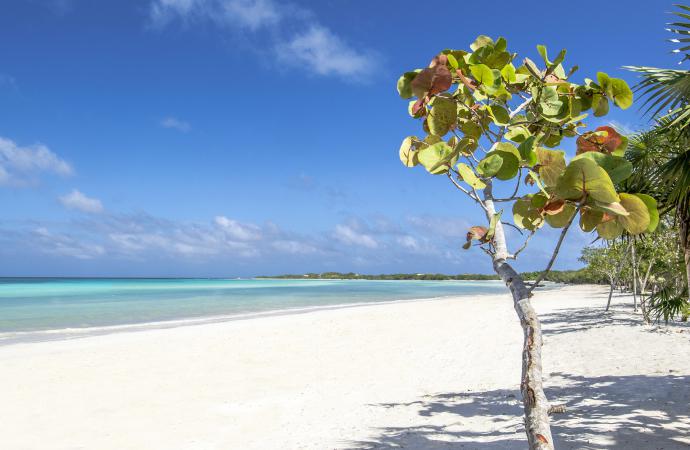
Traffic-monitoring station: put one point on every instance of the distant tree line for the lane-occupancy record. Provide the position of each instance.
(558, 276)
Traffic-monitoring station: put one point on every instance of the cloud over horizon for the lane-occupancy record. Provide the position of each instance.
(20, 165)
(80, 202)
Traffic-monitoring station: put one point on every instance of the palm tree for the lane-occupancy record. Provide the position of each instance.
(664, 151)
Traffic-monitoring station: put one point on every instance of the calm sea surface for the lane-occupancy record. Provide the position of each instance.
(42, 306)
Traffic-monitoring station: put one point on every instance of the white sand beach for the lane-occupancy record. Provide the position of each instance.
(439, 374)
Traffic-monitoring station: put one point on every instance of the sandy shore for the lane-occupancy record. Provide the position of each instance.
(419, 375)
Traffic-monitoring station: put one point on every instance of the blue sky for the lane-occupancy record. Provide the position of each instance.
(244, 137)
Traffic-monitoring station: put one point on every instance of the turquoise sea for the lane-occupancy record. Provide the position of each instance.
(49, 308)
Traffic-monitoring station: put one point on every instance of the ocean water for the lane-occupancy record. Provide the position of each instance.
(37, 308)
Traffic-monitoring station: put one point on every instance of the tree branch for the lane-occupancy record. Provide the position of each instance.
(542, 275)
(473, 195)
(524, 245)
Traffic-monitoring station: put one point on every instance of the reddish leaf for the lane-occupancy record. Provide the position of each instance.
(606, 143)
(432, 81)
(419, 104)
(529, 180)
(613, 139)
(476, 232)
(553, 207)
(466, 81)
(439, 60)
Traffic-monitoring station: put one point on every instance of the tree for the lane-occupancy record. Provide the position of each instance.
(500, 124)
(606, 262)
(667, 97)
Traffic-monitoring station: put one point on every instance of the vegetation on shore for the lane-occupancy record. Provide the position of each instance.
(559, 276)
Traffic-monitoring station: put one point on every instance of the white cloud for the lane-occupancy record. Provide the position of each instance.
(79, 201)
(19, 165)
(65, 245)
(348, 235)
(237, 230)
(294, 247)
(251, 14)
(379, 244)
(324, 53)
(318, 49)
(177, 124)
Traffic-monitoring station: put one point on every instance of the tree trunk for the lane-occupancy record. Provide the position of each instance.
(634, 275)
(608, 302)
(535, 403)
(618, 274)
(684, 234)
(643, 300)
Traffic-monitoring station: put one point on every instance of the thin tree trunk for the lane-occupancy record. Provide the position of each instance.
(684, 234)
(618, 274)
(634, 275)
(608, 302)
(535, 403)
(643, 300)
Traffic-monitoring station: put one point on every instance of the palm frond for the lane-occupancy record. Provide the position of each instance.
(681, 28)
(666, 91)
(668, 302)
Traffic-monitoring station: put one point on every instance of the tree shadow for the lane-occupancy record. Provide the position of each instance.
(626, 412)
(578, 319)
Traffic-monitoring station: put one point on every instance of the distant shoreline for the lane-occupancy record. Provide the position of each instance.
(559, 276)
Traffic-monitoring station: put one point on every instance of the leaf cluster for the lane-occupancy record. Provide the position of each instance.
(487, 117)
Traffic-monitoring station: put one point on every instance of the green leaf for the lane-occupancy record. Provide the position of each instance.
(618, 168)
(480, 42)
(527, 152)
(492, 226)
(405, 83)
(536, 178)
(550, 103)
(600, 105)
(525, 215)
(471, 129)
(590, 218)
(562, 218)
(604, 80)
(499, 114)
(483, 74)
(518, 134)
(408, 150)
(650, 202)
(469, 177)
(508, 73)
(437, 158)
(452, 61)
(638, 219)
(466, 145)
(551, 165)
(609, 230)
(510, 157)
(584, 176)
(442, 116)
(620, 93)
(614, 208)
(490, 165)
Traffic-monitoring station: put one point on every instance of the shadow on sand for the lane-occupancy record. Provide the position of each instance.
(626, 412)
(622, 412)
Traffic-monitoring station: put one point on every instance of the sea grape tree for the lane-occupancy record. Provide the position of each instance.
(488, 119)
